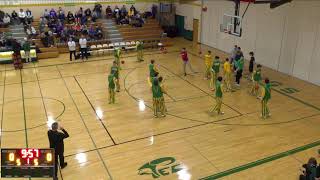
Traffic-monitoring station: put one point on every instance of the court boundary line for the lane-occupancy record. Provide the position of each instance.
(88, 61)
(100, 120)
(2, 113)
(86, 127)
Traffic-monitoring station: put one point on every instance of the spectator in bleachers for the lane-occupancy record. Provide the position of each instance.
(80, 13)
(29, 16)
(154, 11)
(108, 12)
(70, 18)
(14, 16)
(99, 34)
(22, 16)
(124, 10)
(87, 12)
(92, 32)
(94, 16)
(124, 21)
(61, 14)
(133, 10)
(46, 14)
(98, 10)
(6, 20)
(53, 14)
(116, 11)
(1, 14)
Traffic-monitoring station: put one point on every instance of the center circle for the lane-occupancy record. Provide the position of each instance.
(29, 103)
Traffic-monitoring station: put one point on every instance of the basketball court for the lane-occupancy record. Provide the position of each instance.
(115, 141)
(124, 141)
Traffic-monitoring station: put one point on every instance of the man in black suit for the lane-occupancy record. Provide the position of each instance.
(56, 142)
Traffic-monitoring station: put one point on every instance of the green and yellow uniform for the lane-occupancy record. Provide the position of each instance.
(158, 99)
(215, 71)
(117, 54)
(116, 72)
(227, 75)
(151, 70)
(140, 52)
(208, 64)
(256, 78)
(266, 96)
(218, 94)
(111, 81)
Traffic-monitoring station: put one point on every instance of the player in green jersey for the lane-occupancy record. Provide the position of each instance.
(215, 71)
(256, 79)
(158, 99)
(139, 51)
(219, 94)
(117, 54)
(265, 97)
(115, 68)
(112, 85)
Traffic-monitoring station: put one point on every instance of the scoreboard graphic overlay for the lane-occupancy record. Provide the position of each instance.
(27, 162)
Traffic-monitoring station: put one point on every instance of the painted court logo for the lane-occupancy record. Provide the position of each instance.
(160, 167)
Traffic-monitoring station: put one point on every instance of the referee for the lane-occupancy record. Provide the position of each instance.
(56, 142)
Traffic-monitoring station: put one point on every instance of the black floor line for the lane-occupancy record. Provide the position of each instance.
(100, 120)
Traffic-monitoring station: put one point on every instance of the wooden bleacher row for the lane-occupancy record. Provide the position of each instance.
(4, 30)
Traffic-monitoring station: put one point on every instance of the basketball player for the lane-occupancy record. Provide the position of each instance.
(217, 107)
(164, 91)
(227, 75)
(117, 54)
(239, 70)
(256, 78)
(185, 59)
(215, 71)
(265, 97)
(139, 51)
(115, 69)
(158, 100)
(112, 84)
(152, 68)
(208, 65)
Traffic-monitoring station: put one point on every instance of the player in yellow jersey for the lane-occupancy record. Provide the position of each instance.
(208, 64)
(218, 97)
(227, 74)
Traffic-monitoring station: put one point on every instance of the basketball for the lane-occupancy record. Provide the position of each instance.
(122, 62)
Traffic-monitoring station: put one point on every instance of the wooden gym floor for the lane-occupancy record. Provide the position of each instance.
(114, 141)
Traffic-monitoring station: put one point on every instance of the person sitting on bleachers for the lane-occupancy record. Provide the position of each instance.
(124, 21)
(53, 14)
(22, 16)
(310, 171)
(99, 34)
(46, 14)
(61, 14)
(29, 16)
(6, 20)
(77, 27)
(124, 10)
(70, 18)
(108, 12)
(14, 16)
(116, 11)
(97, 9)
(131, 13)
(1, 14)
(80, 13)
(133, 9)
(87, 12)
(94, 16)
(137, 21)
(92, 32)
